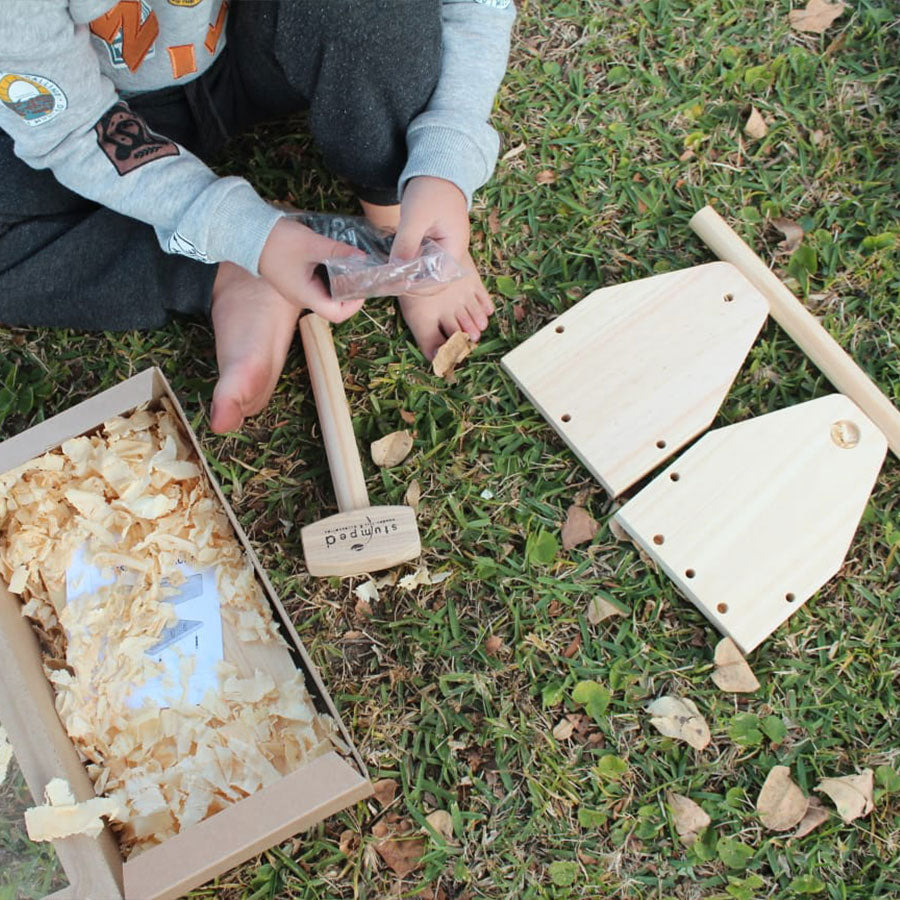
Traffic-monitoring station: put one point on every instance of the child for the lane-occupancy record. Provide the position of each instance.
(110, 219)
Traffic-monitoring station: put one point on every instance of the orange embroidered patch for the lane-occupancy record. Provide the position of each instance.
(183, 60)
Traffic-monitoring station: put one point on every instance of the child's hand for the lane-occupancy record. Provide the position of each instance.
(288, 262)
(434, 208)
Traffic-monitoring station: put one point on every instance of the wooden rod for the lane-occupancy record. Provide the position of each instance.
(803, 327)
(334, 414)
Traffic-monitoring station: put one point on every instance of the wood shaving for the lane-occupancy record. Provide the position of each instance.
(62, 817)
(5, 755)
(450, 354)
(133, 496)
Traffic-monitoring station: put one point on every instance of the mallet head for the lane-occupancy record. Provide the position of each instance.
(361, 541)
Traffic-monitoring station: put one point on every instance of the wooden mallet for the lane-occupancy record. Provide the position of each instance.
(361, 538)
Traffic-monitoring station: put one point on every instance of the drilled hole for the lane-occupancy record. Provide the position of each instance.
(658, 539)
(790, 597)
(674, 476)
(560, 329)
(661, 445)
(722, 607)
(566, 417)
(729, 297)
(690, 573)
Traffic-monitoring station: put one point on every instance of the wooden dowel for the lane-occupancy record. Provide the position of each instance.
(803, 327)
(334, 414)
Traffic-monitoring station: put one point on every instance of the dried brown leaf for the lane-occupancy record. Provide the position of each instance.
(348, 842)
(450, 354)
(792, 231)
(617, 531)
(493, 646)
(442, 822)
(679, 718)
(755, 126)
(851, 794)
(599, 609)
(493, 220)
(408, 417)
(413, 494)
(816, 17)
(403, 855)
(546, 176)
(781, 804)
(385, 791)
(689, 818)
(564, 728)
(392, 449)
(816, 814)
(579, 527)
(732, 673)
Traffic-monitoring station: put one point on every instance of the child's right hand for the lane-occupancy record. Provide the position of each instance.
(288, 262)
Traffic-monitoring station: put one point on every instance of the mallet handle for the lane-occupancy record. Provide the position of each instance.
(334, 414)
(805, 329)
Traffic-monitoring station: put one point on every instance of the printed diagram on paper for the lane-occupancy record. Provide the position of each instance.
(195, 635)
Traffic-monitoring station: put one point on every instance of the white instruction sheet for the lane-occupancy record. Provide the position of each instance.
(196, 635)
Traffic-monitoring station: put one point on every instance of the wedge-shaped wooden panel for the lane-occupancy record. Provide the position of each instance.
(632, 372)
(756, 517)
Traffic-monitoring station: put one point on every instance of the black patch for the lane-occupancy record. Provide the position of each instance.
(128, 142)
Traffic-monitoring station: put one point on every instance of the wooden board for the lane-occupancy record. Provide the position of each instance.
(757, 516)
(633, 372)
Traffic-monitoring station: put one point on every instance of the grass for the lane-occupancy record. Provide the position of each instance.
(619, 120)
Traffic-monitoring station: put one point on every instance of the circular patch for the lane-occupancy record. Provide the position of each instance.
(31, 97)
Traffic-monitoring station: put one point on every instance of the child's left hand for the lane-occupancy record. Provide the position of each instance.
(436, 208)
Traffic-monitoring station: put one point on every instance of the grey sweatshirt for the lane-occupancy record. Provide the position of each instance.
(65, 64)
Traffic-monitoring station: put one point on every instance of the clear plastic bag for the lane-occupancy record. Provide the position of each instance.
(375, 275)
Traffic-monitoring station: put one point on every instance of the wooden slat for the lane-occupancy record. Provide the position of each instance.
(633, 372)
(754, 518)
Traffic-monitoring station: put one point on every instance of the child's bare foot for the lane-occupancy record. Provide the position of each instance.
(254, 326)
(463, 305)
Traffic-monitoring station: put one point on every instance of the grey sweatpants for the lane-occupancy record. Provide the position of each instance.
(362, 68)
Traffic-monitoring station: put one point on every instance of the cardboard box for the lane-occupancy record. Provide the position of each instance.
(94, 867)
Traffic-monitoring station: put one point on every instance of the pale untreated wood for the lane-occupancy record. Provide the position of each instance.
(44, 752)
(805, 329)
(360, 538)
(755, 517)
(634, 371)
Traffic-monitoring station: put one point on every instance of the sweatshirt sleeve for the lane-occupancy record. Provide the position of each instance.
(64, 115)
(452, 138)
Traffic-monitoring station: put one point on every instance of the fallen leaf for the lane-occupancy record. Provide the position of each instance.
(403, 855)
(348, 842)
(732, 672)
(408, 417)
(781, 804)
(599, 609)
(578, 528)
(513, 152)
(851, 794)
(689, 818)
(493, 220)
(518, 312)
(493, 645)
(816, 17)
(362, 610)
(385, 791)
(816, 814)
(617, 531)
(450, 354)
(792, 232)
(546, 176)
(573, 648)
(678, 717)
(413, 494)
(5, 755)
(392, 449)
(367, 592)
(755, 126)
(564, 729)
(442, 822)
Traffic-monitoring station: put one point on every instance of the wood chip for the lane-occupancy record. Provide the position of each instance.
(579, 527)
(816, 17)
(732, 672)
(781, 804)
(679, 718)
(450, 354)
(816, 814)
(689, 818)
(851, 794)
(392, 449)
(755, 126)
